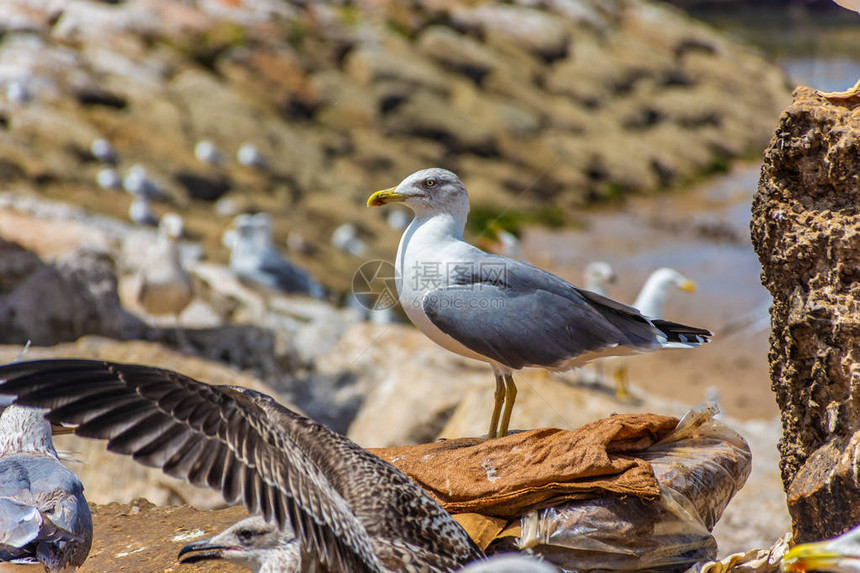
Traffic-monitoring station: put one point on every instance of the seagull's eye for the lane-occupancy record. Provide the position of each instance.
(245, 535)
(429, 182)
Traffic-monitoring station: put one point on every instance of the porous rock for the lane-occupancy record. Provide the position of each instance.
(806, 232)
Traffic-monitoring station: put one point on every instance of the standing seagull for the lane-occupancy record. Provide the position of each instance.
(500, 310)
(652, 297)
(165, 286)
(350, 510)
(650, 302)
(254, 258)
(43, 514)
(597, 276)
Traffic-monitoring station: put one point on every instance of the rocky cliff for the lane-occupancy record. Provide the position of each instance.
(540, 106)
(806, 232)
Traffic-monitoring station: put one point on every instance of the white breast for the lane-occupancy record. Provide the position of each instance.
(422, 265)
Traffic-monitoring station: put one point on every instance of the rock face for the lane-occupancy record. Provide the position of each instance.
(574, 101)
(806, 232)
(51, 303)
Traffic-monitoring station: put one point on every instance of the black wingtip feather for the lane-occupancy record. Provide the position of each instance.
(676, 332)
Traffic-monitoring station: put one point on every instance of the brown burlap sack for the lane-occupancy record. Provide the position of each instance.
(524, 471)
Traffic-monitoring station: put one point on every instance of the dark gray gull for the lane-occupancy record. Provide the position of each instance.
(350, 510)
(500, 310)
(253, 543)
(43, 514)
(254, 258)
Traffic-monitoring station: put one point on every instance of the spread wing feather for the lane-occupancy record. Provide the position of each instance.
(214, 436)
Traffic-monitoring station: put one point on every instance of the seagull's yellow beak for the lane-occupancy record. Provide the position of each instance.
(385, 196)
(810, 556)
(688, 286)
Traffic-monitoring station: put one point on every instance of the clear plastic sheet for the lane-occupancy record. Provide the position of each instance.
(701, 465)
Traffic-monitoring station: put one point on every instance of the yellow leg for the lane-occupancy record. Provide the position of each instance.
(622, 384)
(497, 407)
(510, 398)
(847, 94)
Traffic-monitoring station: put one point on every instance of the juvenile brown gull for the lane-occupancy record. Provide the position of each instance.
(165, 286)
(43, 514)
(259, 546)
(500, 310)
(253, 543)
(350, 510)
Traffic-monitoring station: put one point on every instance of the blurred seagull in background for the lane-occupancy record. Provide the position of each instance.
(104, 151)
(43, 514)
(840, 554)
(165, 286)
(255, 259)
(140, 211)
(249, 156)
(253, 543)
(597, 277)
(206, 152)
(500, 310)
(349, 509)
(651, 302)
(138, 182)
(18, 92)
(345, 238)
(398, 219)
(108, 178)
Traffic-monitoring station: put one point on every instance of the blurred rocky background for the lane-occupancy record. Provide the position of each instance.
(541, 107)
(625, 130)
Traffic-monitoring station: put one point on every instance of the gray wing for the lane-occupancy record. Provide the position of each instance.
(282, 275)
(235, 440)
(43, 509)
(519, 315)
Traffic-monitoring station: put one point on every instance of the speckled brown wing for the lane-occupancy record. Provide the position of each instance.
(351, 510)
(213, 436)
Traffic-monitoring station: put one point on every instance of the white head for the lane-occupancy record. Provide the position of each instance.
(597, 277)
(171, 226)
(25, 430)
(244, 230)
(427, 192)
(248, 543)
(264, 228)
(653, 295)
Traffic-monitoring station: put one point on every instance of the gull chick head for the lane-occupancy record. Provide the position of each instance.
(426, 191)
